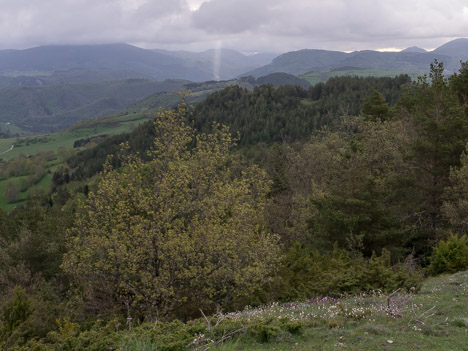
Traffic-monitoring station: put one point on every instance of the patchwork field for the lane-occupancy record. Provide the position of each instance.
(59, 142)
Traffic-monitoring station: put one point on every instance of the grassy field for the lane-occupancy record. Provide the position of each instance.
(52, 142)
(125, 121)
(32, 145)
(436, 318)
(317, 77)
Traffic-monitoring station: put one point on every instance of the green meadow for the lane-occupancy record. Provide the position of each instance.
(52, 142)
(32, 145)
(435, 318)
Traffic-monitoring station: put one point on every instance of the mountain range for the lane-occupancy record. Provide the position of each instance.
(50, 87)
(155, 64)
(45, 65)
(412, 59)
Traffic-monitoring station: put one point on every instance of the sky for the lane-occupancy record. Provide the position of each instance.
(245, 25)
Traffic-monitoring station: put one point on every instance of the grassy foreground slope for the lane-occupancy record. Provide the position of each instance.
(436, 318)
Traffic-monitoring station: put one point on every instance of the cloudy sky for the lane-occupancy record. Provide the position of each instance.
(244, 25)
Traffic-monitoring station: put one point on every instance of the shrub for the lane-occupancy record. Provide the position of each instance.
(16, 311)
(304, 274)
(450, 255)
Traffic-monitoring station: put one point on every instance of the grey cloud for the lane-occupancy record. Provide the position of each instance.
(249, 25)
(233, 16)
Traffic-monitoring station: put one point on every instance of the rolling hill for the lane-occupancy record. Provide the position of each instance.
(409, 60)
(41, 109)
(98, 57)
(222, 63)
(70, 76)
(124, 58)
(457, 48)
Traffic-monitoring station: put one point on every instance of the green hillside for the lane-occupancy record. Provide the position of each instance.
(280, 78)
(457, 48)
(109, 125)
(42, 109)
(64, 141)
(433, 319)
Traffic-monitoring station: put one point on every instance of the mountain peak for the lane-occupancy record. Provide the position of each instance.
(457, 48)
(414, 49)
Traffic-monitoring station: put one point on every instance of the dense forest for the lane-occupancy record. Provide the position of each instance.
(266, 115)
(276, 194)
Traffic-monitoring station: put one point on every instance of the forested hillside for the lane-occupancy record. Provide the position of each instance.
(351, 187)
(52, 107)
(268, 114)
(291, 113)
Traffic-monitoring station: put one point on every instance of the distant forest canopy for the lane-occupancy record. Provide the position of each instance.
(268, 114)
(370, 194)
(276, 114)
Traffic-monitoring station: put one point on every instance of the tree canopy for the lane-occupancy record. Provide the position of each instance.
(180, 232)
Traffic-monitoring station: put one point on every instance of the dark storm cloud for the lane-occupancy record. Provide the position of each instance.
(249, 25)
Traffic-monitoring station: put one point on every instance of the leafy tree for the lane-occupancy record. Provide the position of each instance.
(180, 232)
(459, 83)
(344, 187)
(455, 206)
(440, 131)
(374, 107)
(15, 311)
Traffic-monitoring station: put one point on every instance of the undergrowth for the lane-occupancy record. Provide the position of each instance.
(435, 318)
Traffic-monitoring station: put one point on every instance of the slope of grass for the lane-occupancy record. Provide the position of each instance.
(110, 125)
(436, 318)
(28, 146)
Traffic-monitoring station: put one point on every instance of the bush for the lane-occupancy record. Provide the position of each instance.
(16, 311)
(450, 255)
(305, 273)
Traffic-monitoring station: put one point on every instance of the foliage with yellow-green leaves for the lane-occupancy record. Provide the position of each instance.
(181, 232)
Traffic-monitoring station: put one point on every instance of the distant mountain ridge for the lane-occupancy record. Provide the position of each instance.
(411, 60)
(156, 64)
(230, 63)
(414, 49)
(457, 48)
